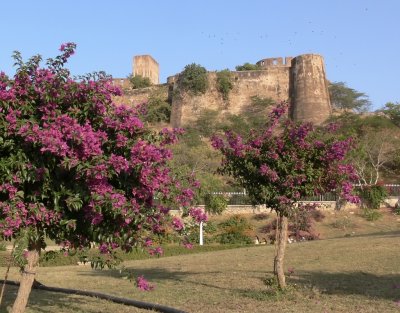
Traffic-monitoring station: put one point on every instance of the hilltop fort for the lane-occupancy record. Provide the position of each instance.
(301, 79)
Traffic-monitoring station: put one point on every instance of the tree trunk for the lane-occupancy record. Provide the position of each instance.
(27, 278)
(282, 240)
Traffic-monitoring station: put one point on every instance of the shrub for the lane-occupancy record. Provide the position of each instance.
(301, 223)
(372, 215)
(343, 223)
(210, 227)
(224, 83)
(3, 246)
(235, 238)
(373, 196)
(248, 67)
(138, 81)
(215, 204)
(261, 217)
(396, 209)
(235, 230)
(194, 78)
(158, 110)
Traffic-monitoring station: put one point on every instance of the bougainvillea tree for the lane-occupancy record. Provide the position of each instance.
(77, 168)
(284, 163)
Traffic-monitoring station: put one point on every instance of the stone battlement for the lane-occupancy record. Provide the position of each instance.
(270, 62)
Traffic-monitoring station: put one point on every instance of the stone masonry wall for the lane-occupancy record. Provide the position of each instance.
(269, 83)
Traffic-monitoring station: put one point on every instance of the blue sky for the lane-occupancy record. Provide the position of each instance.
(359, 39)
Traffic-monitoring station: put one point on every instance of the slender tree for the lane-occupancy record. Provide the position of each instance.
(283, 164)
(77, 168)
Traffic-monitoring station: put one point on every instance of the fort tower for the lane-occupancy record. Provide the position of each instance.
(146, 66)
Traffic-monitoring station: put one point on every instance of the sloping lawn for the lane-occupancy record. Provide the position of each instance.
(348, 274)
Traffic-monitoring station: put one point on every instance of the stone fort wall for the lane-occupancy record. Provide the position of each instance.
(301, 80)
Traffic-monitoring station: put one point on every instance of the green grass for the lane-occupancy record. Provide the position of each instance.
(337, 274)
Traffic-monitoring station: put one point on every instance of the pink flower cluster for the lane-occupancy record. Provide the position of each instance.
(143, 284)
(80, 167)
(198, 215)
(287, 161)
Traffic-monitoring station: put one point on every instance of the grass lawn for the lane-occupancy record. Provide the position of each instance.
(355, 268)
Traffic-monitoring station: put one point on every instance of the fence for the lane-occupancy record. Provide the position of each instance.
(235, 198)
(241, 198)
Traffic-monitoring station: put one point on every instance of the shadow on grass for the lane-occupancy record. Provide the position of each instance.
(346, 283)
(158, 274)
(48, 302)
(351, 283)
(348, 234)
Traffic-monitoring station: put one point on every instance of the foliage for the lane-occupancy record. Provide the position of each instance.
(392, 110)
(76, 167)
(371, 215)
(206, 124)
(235, 230)
(138, 81)
(210, 227)
(279, 168)
(199, 160)
(3, 246)
(234, 237)
(248, 67)
(215, 204)
(301, 223)
(252, 117)
(158, 110)
(260, 216)
(396, 209)
(193, 153)
(284, 163)
(377, 141)
(373, 196)
(376, 154)
(224, 83)
(343, 97)
(194, 78)
(343, 223)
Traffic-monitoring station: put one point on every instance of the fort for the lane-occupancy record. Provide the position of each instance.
(301, 80)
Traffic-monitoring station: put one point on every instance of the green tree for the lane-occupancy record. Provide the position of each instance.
(248, 67)
(392, 110)
(375, 155)
(344, 97)
(138, 81)
(224, 83)
(215, 203)
(194, 78)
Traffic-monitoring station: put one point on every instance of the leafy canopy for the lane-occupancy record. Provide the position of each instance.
(248, 67)
(194, 78)
(76, 167)
(343, 97)
(286, 162)
(138, 81)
